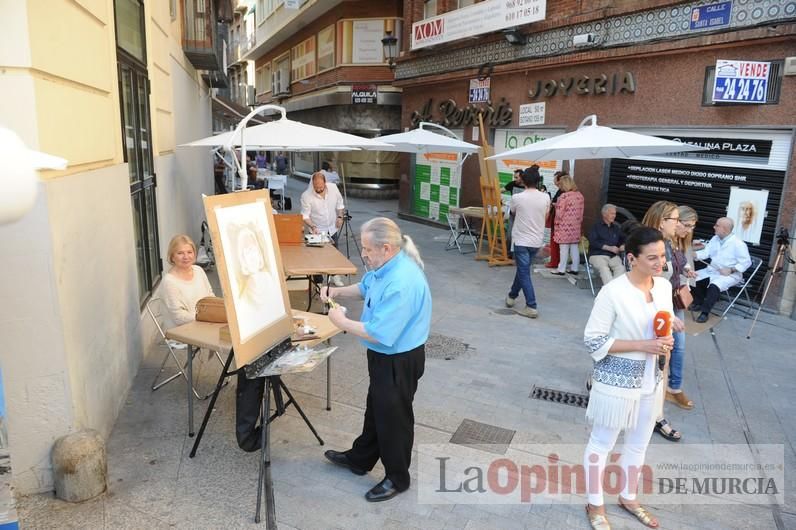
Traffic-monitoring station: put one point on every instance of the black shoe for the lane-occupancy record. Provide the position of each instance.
(673, 435)
(557, 273)
(572, 273)
(703, 317)
(383, 491)
(336, 457)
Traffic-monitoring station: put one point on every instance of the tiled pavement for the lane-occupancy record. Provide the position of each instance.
(743, 392)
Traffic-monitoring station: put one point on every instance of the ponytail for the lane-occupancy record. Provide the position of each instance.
(385, 231)
(411, 250)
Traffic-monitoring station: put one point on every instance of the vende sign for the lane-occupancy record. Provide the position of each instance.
(483, 17)
(741, 82)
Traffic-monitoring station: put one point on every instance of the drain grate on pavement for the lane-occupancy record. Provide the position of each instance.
(445, 347)
(483, 436)
(559, 396)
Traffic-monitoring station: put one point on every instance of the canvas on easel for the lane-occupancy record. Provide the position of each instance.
(250, 271)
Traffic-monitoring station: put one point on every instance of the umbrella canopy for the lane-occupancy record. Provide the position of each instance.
(422, 140)
(283, 135)
(288, 135)
(595, 141)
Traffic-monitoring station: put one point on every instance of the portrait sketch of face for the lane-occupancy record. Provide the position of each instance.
(249, 254)
(747, 210)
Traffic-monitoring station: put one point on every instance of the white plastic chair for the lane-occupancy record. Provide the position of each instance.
(278, 182)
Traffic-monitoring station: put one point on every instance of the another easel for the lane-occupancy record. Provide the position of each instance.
(493, 223)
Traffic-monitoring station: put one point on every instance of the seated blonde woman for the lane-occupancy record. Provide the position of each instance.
(185, 283)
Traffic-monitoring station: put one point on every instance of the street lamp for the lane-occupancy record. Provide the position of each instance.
(390, 45)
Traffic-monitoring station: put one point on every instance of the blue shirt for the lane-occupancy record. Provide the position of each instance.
(397, 309)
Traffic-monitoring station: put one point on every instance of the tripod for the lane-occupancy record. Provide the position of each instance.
(783, 252)
(345, 230)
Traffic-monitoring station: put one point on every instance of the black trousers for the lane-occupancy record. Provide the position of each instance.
(388, 432)
(248, 400)
(706, 295)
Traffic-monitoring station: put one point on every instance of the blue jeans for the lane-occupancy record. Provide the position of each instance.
(523, 256)
(678, 354)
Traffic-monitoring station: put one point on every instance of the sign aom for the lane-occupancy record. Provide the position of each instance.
(428, 31)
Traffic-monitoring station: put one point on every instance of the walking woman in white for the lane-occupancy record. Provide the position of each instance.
(627, 392)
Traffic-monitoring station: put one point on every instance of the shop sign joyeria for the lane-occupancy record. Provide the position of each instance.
(584, 85)
(499, 115)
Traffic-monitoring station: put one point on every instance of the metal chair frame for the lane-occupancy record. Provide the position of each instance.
(584, 248)
(171, 346)
(743, 288)
(458, 233)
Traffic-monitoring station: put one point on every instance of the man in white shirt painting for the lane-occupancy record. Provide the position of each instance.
(322, 209)
(729, 258)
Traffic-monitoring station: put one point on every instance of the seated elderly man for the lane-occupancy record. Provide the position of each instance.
(729, 258)
(606, 241)
(322, 209)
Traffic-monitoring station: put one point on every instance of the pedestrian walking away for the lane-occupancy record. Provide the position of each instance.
(530, 210)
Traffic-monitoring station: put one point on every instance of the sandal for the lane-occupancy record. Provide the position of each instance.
(598, 521)
(680, 399)
(641, 513)
(672, 435)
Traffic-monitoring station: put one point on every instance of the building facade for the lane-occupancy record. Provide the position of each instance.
(642, 66)
(324, 62)
(113, 86)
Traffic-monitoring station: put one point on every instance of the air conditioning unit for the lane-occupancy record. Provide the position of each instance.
(790, 66)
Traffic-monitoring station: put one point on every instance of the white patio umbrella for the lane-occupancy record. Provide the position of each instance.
(283, 135)
(422, 140)
(595, 141)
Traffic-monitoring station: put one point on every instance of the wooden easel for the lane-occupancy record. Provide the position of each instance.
(493, 224)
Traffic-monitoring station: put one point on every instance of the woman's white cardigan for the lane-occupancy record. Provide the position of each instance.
(620, 312)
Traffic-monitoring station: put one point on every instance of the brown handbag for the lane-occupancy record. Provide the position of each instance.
(211, 309)
(682, 297)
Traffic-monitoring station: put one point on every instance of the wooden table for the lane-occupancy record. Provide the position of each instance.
(198, 335)
(302, 260)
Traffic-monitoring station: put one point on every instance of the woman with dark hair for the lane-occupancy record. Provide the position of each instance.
(627, 392)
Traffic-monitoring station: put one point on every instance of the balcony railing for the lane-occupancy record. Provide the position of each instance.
(248, 43)
(200, 34)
